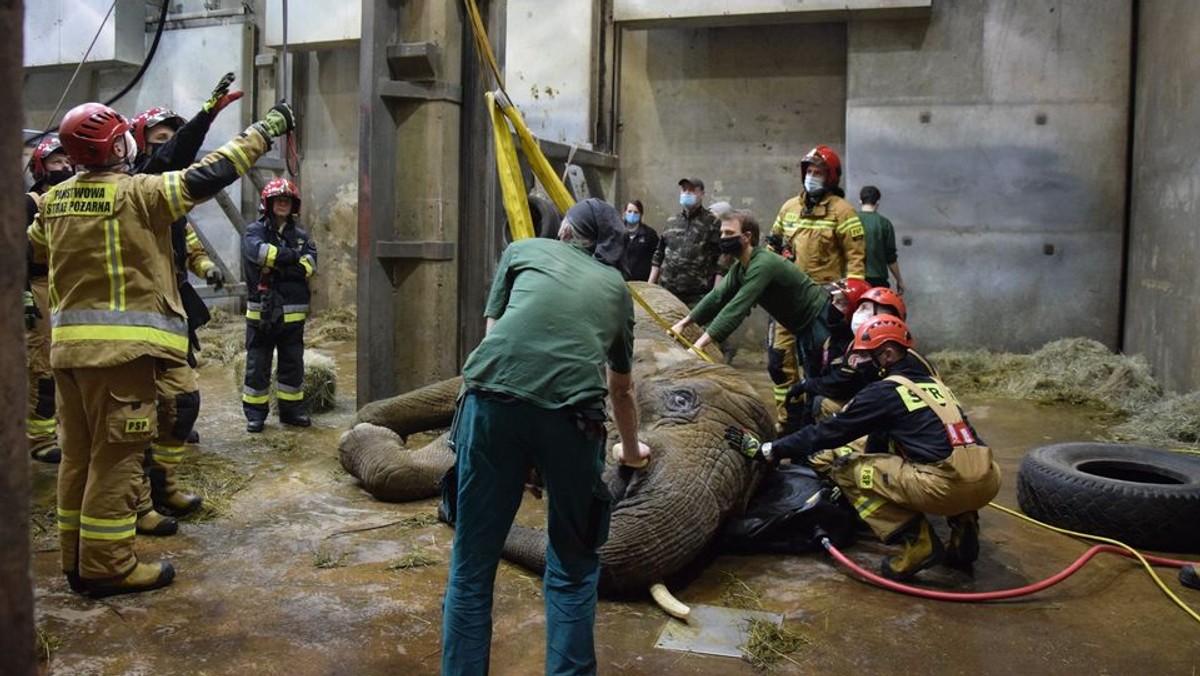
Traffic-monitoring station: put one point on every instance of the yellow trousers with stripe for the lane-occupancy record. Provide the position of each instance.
(888, 491)
(178, 406)
(107, 418)
(40, 426)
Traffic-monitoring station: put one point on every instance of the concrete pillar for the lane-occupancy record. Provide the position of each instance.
(426, 156)
(16, 587)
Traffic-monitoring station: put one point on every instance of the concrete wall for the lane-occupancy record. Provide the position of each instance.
(1163, 291)
(996, 131)
(736, 107)
(327, 84)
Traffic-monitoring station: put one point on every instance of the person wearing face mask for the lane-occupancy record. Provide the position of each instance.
(847, 373)
(920, 456)
(50, 166)
(823, 234)
(685, 262)
(757, 276)
(117, 320)
(641, 241)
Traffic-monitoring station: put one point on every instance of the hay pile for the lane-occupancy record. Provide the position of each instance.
(1081, 372)
(320, 380)
(331, 326)
(1077, 371)
(767, 645)
(1173, 420)
(215, 478)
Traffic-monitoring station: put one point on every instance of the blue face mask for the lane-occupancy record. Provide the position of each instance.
(687, 199)
(633, 218)
(812, 184)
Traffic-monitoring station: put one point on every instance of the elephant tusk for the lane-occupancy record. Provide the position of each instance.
(671, 605)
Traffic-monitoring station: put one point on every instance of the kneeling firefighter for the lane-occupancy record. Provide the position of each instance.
(277, 259)
(921, 455)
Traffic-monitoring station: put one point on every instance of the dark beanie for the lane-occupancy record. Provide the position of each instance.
(598, 221)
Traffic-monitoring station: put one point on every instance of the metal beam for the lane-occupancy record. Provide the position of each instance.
(434, 91)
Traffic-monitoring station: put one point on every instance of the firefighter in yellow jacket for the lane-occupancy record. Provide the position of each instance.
(821, 232)
(117, 319)
(50, 166)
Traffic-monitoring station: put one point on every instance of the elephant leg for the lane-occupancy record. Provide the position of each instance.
(428, 408)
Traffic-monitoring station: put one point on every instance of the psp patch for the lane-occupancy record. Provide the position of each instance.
(137, 425)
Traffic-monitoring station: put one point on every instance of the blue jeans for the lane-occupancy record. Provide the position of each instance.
(496, 438)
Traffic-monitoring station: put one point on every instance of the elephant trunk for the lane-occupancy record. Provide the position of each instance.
(369, 453)
(428, 408)
(526, 547)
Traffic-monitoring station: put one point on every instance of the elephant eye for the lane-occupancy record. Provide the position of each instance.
(681, 401)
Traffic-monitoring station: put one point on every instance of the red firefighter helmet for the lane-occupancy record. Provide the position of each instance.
(279, 187)
(882, 329)
(881, 295)
(148, 119)
(49, 145)
(88, 131)
(824, 156)
(853, 289)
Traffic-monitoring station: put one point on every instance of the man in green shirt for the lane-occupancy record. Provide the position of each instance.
(768, 279)
(534, 393)
(880, 241)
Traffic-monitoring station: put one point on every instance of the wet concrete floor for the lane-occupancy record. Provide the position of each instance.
(305, 574)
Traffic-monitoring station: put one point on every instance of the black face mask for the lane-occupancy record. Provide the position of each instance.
(731, 245)
(58, 176)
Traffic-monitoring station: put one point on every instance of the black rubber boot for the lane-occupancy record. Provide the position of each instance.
(167, 498)
(255, 426)
(153, 523)
(1188, 577)
(922, 549)
(300, 420)
(963, 548)
(145, 577)
(193, 437)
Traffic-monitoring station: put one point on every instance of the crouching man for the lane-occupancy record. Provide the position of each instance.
(921, 456)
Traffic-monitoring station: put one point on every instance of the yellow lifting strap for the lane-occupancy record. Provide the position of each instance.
(512, 187)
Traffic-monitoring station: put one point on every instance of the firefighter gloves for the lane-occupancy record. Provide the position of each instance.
(745, 443)
(221, 96)
(32, 313)
(215, 279)
(278, 121)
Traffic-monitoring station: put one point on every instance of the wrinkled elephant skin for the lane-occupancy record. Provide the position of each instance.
(664, 515)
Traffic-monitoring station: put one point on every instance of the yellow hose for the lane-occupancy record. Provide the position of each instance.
(1097, 538)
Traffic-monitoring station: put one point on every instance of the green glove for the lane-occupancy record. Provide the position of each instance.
(32, 313)
(221, 96)
(278, 121)
(747, 444)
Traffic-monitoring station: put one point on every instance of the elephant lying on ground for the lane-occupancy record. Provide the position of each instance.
(664, 515)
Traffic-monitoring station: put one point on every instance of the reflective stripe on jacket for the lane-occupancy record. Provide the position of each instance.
(113, 294)
(826, 240)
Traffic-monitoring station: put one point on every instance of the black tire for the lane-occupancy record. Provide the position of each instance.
(1145, 497)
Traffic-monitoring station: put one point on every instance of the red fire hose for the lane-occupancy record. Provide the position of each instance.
(974, 597)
